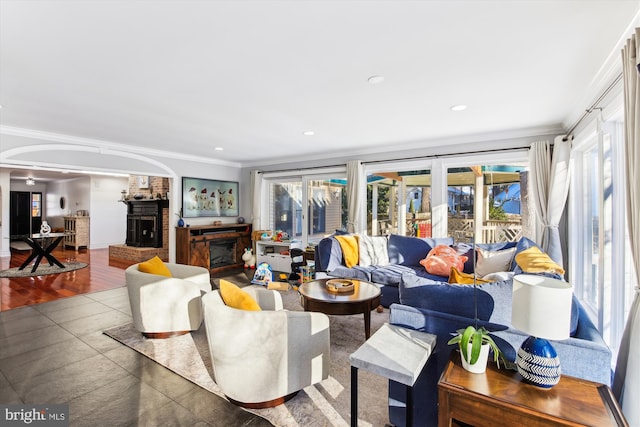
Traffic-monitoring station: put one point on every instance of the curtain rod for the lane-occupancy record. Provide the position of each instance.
(436, 156)
(432, 156)
(594, 106)
(302, 169)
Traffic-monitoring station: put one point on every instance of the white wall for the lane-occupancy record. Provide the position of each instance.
(108, 222)
(76, 194)
(5, 185)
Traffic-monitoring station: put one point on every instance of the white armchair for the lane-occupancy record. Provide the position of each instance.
(263, 358)
(167, 306)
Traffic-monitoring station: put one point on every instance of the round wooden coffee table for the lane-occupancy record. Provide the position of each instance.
(364, 298)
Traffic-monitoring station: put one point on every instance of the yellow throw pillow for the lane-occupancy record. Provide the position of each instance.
(463, 278)
(533, 260)
(235, 297)
(155, 266)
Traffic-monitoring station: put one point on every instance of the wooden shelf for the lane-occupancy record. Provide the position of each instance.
(77, 229)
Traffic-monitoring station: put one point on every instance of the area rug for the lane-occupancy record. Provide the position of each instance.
(323, 404)
(43, 269)
(19, 245)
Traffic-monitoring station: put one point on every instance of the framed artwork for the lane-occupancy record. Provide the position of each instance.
(143, 181)
(208, 197)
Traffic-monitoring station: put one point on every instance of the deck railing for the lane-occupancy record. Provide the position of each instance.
(493, 231)
(462, 230)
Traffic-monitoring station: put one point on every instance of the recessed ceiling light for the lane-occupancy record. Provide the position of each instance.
(308, 133)
(218, 148)
(375, 80)
(459, 107)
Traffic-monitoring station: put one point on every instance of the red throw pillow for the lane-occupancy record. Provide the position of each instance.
(440, 259)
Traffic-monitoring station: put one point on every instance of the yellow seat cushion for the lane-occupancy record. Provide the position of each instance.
(155, 266)
(463, 278)
(235, 297)
(533, 260)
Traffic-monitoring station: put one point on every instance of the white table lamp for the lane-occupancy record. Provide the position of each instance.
(541, 308)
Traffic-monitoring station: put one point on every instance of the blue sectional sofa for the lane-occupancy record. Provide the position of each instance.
(404, 254)
(420, 301)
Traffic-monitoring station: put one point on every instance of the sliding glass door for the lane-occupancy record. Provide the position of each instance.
(307, 208)
(470, 197)
(399, 202)
(486, 202)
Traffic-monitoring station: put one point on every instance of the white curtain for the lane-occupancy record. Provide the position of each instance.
(356, 197)
(626, 384)
(256, 199)
(550, 187)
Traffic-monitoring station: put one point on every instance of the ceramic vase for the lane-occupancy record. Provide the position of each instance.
(180, 222)
(45, 228)
(481, 364)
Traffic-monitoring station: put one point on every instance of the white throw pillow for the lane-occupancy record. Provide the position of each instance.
(494, 261)
(373, 251)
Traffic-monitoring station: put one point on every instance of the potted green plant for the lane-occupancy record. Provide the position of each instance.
(474, 346)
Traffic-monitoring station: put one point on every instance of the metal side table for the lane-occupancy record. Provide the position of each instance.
(395, 353)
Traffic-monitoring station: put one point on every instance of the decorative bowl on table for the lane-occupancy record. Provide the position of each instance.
(339, 285)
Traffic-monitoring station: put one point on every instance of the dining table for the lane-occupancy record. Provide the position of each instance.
(41, 244)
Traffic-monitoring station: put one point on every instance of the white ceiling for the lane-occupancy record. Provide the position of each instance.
(252, 76)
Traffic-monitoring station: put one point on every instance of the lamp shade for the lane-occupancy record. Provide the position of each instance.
(541, 306)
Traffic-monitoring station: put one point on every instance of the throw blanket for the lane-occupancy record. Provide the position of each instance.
(373, 251)
(349, 246)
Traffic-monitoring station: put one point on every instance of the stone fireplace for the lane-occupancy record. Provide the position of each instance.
(147, 222)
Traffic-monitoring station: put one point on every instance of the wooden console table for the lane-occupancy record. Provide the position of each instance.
(501, 398)
(193, 244)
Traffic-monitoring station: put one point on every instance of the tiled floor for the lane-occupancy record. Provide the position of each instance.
(55, 352)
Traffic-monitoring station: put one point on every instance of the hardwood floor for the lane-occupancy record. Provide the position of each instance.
(98, 276)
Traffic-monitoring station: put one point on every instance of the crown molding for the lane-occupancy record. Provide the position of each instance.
(109, 146)
(608, 72)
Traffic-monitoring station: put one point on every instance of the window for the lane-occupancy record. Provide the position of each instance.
(36, 205)
(307, 208)
(399, 202)
(286, 208)
(436, 197)
(600, 267)
(489, 195)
